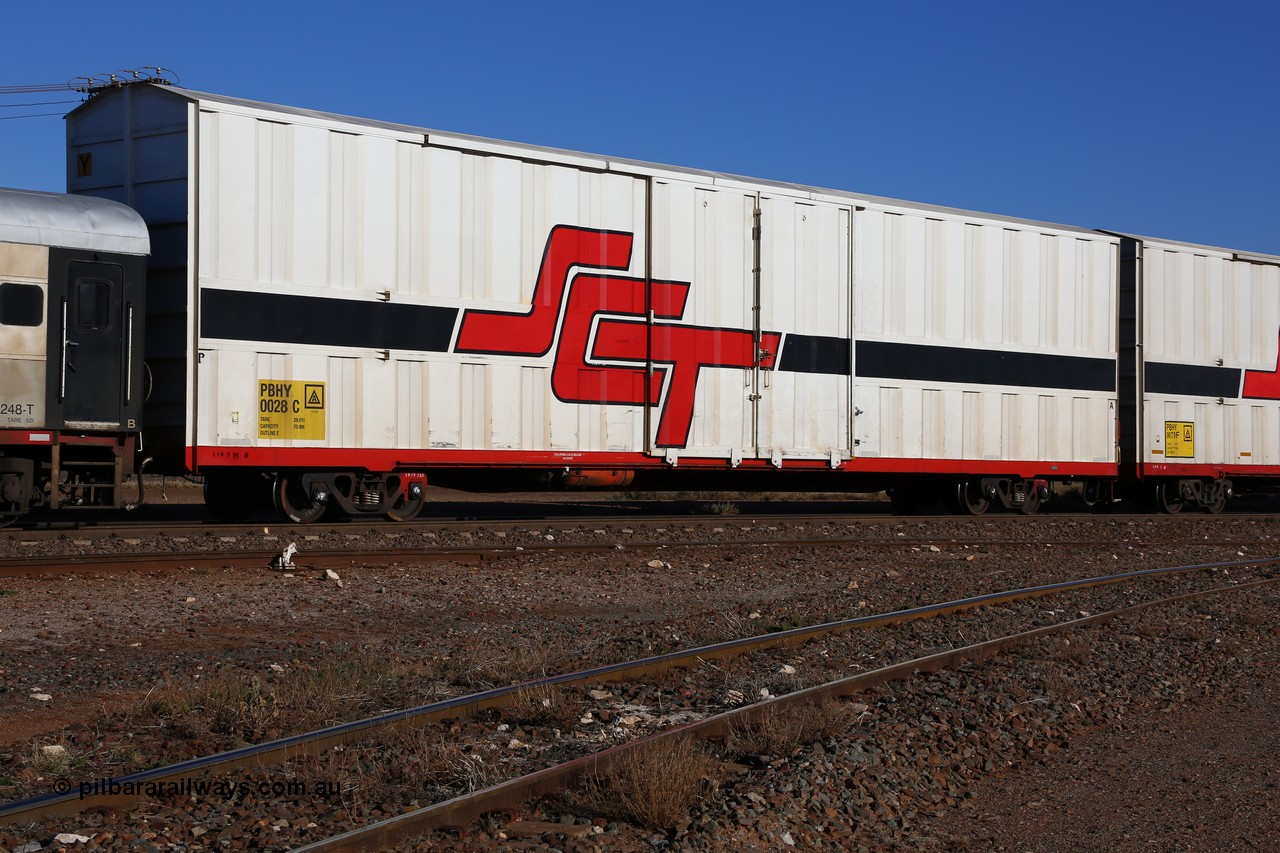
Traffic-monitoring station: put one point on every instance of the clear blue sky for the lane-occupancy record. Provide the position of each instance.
(1154, 118)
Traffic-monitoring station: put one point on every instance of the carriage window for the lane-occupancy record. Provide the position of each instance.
(21, 305)
(93, 303)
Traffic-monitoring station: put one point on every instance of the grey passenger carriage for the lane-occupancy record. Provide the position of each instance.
(71, 360)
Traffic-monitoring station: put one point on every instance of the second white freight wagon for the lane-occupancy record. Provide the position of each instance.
(1201, 385)
(350, 305)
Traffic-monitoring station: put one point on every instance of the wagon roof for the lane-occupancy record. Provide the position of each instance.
(1250, 257)
(71, 222)
(620, 163)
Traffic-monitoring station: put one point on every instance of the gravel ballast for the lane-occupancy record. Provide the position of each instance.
(97, 644)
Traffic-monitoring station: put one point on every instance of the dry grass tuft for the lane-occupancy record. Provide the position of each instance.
(232, 701)
(465, 771)
(1057, 681)
(655, 786)
(396, 764)
(488, 664)
(227, 701)
(543, 706)
(785, 729)
(1074, 649)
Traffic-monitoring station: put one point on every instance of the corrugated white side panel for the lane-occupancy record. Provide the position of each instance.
(533, 416)
(323, 209)
(722, 297)
(227, 398)
(378, 404)
(1203, 309)
(410, 396)
(444, 396)
(703, 236)
(805, 289)
(307, 210)
(938, 280)
(343, 414)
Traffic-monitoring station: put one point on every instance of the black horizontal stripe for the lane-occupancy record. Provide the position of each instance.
(815, 354)
(924, 363)
(1194, 380)
(278, 318)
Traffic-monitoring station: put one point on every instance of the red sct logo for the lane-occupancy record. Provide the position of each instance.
(677, 351)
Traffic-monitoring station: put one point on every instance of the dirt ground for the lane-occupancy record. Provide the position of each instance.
(1201, 777)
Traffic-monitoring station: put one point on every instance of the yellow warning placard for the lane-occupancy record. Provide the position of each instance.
(289, 409)
(1179, 440)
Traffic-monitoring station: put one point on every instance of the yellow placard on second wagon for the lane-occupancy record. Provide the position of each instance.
(290, 409)
(1179, 440)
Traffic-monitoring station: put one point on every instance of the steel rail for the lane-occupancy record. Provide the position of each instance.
(57, 528)
(474, 554)
(460, 812)
(313, 743)
(36, 531)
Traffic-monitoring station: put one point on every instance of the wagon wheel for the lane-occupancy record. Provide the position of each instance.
(1219, 503)
(1031, 505)
(1169, 498)
(970, 497)
(407, 506)
(7, 519)
(293, 501)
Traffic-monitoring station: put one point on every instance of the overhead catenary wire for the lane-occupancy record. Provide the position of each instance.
(30, 115)
(34, 88)
(40, 103)
(145, 73)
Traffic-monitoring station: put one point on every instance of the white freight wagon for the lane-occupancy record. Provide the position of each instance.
(349, 304)
(1204, 370)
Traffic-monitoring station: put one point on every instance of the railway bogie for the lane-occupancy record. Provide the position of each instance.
(340, 308)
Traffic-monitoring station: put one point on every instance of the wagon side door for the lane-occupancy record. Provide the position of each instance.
(702, 343)
(804, 289)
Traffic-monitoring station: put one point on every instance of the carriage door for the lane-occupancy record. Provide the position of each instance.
(803, 294)
(90, 343)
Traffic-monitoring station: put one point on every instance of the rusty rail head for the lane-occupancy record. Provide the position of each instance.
(460, 812)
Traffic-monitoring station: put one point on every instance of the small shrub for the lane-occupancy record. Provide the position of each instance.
(53, 763)
(654, 786)
(543, 706)
(785, 729)
(1071, 650)
(489, 664)
(464, 772)
(1057, 682)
